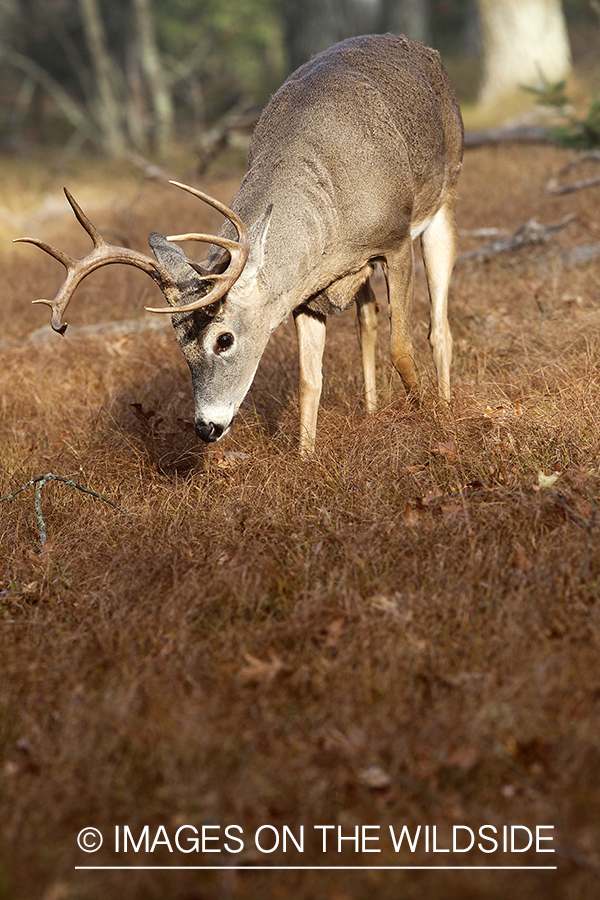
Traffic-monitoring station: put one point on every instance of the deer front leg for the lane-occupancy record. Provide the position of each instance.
(310, 331)
(399, 273)
(366, 321)
(438, 243)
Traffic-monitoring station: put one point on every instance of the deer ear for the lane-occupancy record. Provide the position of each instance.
(258, 235)
(172, 257)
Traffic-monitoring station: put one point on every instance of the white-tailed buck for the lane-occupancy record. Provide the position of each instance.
(357, 154)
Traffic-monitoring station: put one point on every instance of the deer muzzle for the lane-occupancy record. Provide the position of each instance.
(209, 431)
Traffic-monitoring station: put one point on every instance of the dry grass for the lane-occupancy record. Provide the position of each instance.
(253, 633)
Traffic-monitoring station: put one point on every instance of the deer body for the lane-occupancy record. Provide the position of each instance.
(357, 154)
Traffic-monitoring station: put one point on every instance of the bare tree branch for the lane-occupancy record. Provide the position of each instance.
(70, 110)
(553, 186)
(39, 482)
(528, 233)
(215, 140)
(522, 134)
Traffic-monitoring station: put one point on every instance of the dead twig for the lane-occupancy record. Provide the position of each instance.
(581, 254)
(528, 233)
(39, 482)
(553, 186)
(524, 134)
(483, 232)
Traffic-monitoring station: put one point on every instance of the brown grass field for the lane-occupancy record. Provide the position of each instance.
(404, 630)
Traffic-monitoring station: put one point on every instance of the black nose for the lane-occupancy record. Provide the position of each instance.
(210, 432)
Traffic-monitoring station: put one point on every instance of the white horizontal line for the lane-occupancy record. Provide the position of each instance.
(317, 868)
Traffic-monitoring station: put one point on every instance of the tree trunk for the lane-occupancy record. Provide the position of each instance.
(162, 103)
(69, 109)
(109, 112)
(525, 42)
(137, 107)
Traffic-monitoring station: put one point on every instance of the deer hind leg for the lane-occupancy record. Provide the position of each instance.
(310, 331)
(399, 273)
(438, 243)
(366, 322)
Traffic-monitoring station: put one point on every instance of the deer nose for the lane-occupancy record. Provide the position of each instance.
(209, 432)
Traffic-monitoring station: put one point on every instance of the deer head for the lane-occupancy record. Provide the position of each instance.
(221, 339)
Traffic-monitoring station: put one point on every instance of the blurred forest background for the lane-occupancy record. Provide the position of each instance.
(117, 76)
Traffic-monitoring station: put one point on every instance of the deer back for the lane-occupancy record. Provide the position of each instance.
(358, 145)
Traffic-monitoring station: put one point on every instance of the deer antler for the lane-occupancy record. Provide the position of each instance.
(102, 255)
(238, 253)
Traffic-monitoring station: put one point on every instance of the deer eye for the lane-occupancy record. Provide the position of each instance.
(224, 342)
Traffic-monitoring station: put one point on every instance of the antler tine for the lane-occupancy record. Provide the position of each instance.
(220, 207)
(53, 251)
(102, 254)
(238, 252)
(226, 243)
(84, 221)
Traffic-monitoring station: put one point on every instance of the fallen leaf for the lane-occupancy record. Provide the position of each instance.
(227, 459)
(432, 497)
(493, 413)
(448, 449)
(474, 485)
(547, 481)
(30, 588)
(260, 670)
(374, 777)
(411, 516)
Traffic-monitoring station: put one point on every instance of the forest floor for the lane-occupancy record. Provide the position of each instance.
(402, 631)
